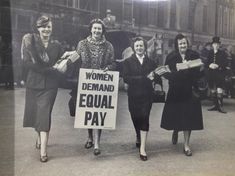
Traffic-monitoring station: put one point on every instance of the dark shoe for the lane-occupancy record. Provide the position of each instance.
(97, 151)
(188, 152)
(214, 108)
(220, 109)
(88, 144)
(37, 146)
(174, 137)
(143, 157)
(137, 144)
(44, 159)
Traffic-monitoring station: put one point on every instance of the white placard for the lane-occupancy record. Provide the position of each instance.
(97, 97)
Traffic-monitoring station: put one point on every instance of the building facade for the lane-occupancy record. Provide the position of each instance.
(198, 19)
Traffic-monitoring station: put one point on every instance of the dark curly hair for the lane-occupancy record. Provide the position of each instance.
(99, 21)
(139, 38)
(179, 37)
(42, 21)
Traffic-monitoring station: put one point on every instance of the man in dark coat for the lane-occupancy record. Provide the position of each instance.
(182, 110)
(216, 70)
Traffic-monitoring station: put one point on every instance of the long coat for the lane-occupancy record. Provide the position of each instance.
(182, 110)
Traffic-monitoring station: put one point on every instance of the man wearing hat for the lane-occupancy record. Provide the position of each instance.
(216, 70)
(109, 20)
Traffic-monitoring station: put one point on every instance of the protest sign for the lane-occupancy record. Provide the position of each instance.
(97, 96)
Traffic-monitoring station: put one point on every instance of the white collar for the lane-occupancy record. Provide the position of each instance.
(183, 57)
(140, 58)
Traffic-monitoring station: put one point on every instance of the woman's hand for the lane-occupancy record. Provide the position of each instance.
(67, 54)
(105, 69)
(151, 75)
(162, 70)
(213, 66)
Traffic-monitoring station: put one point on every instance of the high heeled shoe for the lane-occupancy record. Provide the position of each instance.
(188, 152)
(143, 157)
(44, 159)
(97, 151)
(89, 144)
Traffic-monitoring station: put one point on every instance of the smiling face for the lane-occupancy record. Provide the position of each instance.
(182, 45)
(96, 31)
(45, 31)
(139, 47)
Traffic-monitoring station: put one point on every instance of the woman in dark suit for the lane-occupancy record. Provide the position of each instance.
(39, 54)
(182, 110)
(138, 72)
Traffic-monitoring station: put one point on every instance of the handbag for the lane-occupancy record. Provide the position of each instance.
(159, 96)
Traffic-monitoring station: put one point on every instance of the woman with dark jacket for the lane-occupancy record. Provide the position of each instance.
(182, 110)
(138, 72)
(39, 54)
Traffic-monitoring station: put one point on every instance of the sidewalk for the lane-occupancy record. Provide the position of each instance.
(213, 147)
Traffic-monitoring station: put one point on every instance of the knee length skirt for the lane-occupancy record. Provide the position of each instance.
(38, 107)
(140, 110)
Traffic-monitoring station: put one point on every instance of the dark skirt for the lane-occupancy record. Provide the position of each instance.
(140, 110)
(38, 108)
(182, 115)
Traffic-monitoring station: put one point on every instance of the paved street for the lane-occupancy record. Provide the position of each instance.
(213, 147)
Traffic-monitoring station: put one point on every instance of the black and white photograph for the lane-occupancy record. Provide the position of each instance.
(117, 87)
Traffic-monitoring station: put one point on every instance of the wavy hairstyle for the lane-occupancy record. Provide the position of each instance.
(42, 21)
(99, 21)
(139, 38)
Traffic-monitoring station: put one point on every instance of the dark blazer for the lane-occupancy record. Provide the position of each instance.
(40, 75)
(216, 77)
(219, 58)
(135, 75)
